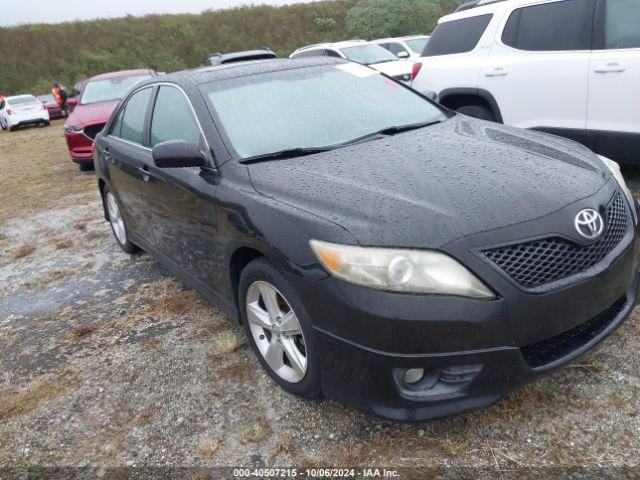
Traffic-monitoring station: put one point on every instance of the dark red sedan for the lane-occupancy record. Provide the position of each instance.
(52, 106)
(99, 97)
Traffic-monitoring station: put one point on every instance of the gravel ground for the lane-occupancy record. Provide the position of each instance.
(108, 361)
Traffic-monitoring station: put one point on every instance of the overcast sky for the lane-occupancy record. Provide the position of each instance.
(15, 12)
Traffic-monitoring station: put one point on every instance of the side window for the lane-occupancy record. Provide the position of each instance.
(135, 112)
(173, 118)
(622, 24)
(331, 53)
(310, 53)
(117, 124)
(457, 36)
(396, 48)
(556, 26)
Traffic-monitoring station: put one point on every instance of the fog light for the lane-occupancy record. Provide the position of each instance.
(413, 375)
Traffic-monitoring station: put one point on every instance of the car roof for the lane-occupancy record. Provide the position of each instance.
(334, 45)
(14, 97)
(482, 7)
(203, 75)
(401, 39)
(248, 55)
(121, 73)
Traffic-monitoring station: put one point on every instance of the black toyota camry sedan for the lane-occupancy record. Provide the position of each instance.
(377, 248)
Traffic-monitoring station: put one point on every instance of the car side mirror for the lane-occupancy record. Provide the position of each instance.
(178, 154)
(403, 54)
(72, 102)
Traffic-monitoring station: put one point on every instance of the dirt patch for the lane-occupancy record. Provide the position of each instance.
(23, 251)
(37, 172)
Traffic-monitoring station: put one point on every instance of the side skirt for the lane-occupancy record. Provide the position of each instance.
(188, 279)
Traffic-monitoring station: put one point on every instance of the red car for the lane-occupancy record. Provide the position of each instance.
(52, 106)
(99, 98)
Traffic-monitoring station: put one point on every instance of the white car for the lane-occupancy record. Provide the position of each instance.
(365, 53)
(410, 47)
(22, 110)
(569, 67)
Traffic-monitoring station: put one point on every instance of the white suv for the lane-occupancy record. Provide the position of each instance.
(569, 67)
(363, 52)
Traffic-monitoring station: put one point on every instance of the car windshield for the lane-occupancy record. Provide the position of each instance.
(109, 89)
(417, 44)
(368, 54)
(21, 100)
(46, 98)
(313, 108)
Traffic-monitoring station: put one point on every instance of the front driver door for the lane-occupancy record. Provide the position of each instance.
(124, 154)
(181, 201)
(613, 121)
(538, 67)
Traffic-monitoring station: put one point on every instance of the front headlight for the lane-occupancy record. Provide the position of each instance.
(617, 174)
(411, 271)
(70, 129)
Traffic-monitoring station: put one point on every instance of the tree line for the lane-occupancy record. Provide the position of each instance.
(33, 56)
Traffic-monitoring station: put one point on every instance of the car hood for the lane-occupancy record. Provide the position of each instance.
(428, 187)
(91, 114)
(399, 67)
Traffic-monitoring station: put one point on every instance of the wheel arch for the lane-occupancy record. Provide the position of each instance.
(454, 98)
(240, 258)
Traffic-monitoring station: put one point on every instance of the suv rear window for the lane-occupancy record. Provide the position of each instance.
(558, 26)
(457, 36)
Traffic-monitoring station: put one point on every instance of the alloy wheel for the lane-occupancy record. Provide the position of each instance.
(276, 331)
(115, 217)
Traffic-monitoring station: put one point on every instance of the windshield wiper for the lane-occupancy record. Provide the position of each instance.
(303, 151)
(405, 128)
(286, 153)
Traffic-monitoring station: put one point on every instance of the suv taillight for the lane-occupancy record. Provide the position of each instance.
(415, 70)
(44, 107)
(9, 111)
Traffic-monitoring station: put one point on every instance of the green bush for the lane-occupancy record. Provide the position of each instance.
(33, 56)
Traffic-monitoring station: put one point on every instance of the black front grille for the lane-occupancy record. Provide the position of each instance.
(538, 262)
(552, 349)
(92, 130)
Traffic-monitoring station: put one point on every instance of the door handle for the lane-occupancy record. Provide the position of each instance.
(497, 72)
(146, 174)
(610, 68)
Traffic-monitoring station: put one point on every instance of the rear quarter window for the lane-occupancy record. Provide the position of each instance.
(557, 26)
(457, 36)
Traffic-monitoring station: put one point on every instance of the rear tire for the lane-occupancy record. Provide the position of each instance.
(477, 111)
(116, 220)
(287, 334)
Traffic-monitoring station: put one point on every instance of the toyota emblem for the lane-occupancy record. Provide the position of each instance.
(589, 224)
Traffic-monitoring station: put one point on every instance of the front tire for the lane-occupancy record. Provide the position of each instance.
(116, 221)
(279, 329)
(85, 166)
(477, 111)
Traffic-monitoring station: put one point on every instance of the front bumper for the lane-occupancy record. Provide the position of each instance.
(80, 147)
(473, 352)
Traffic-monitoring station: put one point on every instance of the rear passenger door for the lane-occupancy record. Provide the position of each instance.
(538, 67)
(181, 201)
(613, 118)
(125, 154)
